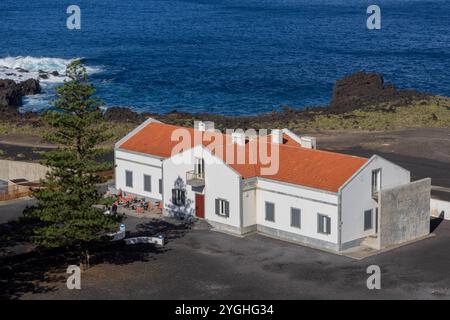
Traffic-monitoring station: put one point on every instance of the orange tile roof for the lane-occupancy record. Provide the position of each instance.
(307, 167)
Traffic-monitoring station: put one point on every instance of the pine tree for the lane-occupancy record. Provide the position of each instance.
(64, 214)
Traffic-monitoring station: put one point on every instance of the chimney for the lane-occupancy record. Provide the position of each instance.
(308, 142)
(204, 126)
(238, 138)
(277, 136)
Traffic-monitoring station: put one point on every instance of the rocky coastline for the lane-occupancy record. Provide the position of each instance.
(359, 91)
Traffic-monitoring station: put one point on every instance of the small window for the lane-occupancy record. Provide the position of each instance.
(295, 218)
(376, 181)
(129, 178)
(178, 197)
(323, 224)
(222, 208)
(199, 167)
(160, 186)
(270, 212)
(368, 219)
(147, 183)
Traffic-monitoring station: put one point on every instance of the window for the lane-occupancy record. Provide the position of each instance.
(178, 197)
(222, 208)
(160, 186)
(147, 183)
(368, 219)
(129, 178)
(270, 211)
(295, 218)
(199, 167)
(323, 224)
(376, 181)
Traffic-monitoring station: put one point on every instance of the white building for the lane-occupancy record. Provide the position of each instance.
(321, 199)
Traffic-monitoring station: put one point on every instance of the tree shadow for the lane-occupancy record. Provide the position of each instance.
(180, 211)
(43, 271)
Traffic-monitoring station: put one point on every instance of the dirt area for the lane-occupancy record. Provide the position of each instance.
(424, 151)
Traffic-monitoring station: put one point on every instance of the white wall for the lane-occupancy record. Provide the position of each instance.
(139, 164)
(220, 182)
(249, 208)
(309, 201)
(356, 196)
(438, 207)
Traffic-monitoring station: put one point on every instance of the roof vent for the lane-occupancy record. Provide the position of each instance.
(277, 136)
(204, 125)
(308, 142)
(238, 138)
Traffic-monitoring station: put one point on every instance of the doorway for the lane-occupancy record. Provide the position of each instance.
(200, 205)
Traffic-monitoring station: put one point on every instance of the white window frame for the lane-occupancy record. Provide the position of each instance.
(222, 205)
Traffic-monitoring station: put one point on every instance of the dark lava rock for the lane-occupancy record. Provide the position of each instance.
(43, 76)
(11, 94)
(21, 70)
(362, 89)
(30, 87)
(121, 114)
(54, 73)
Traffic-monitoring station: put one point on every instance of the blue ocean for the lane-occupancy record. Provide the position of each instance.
(225, 56)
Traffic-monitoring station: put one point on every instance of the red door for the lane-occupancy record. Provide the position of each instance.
(199, 205)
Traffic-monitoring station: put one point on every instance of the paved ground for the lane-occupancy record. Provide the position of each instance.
(202, 264)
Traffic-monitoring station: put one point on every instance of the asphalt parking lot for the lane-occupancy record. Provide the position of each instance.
(203, 264)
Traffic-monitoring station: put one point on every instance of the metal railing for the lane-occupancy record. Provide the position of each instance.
(194, 178)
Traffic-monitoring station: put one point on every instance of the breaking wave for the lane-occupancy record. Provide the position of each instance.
(49, 72)
(23, 68)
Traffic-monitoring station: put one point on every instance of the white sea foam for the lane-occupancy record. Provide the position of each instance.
(23, 68)
(10, 68)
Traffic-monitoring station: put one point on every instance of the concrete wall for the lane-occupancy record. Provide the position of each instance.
(10, 170)
(139, 164)
(404, 213)
(440, 209)
(356, 196)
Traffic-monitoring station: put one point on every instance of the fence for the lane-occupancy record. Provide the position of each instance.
(14, 192)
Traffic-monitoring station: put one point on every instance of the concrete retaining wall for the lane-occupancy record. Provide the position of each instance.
(10, 170)
(404, 213)
(440, 209)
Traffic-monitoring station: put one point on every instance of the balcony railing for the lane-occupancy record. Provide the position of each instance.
(195, 179)
(375, 195)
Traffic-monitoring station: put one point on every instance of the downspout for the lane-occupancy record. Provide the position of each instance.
(339, 220)
(241, 205)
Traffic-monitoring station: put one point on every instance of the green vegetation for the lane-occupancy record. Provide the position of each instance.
(64, 215)
(421, 114)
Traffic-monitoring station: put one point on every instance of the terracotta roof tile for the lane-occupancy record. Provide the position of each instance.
(307, 167)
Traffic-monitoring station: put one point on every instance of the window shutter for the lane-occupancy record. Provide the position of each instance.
(328, 225)
(319, 223)
(183, 197)
(217, 206)
(160, 186)
(227, 209)
(174, 196)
